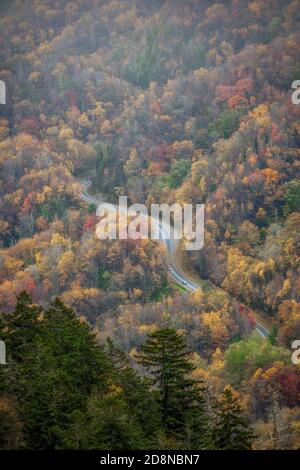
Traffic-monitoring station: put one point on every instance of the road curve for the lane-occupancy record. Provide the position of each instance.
(174, 271)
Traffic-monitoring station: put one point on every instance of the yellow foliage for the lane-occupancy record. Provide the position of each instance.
(216, 323)
(261, 116)
(84, 120)
(255, 7)
(66, 133)
(270, 175)
(35, 76)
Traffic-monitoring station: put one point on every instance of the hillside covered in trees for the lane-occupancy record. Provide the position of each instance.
(163, 101)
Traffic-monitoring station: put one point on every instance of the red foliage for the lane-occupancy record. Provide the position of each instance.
(289, 384)
(90, 222)
(28, 285)
(30, 125)
(26, 206)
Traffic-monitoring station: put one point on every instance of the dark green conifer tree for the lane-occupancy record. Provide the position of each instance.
(57, 364)
(181, 398)
(20, 327)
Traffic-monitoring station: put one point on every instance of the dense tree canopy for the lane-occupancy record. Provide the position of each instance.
(165, 102)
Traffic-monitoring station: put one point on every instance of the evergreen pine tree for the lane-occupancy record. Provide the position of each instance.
(181, 399)
(56, 373)
(20, 327)
(140, 399)
(106, 423)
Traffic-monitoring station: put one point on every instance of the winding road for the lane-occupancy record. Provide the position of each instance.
(174, 271)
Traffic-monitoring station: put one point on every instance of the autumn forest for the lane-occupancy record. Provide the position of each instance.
(164, 101)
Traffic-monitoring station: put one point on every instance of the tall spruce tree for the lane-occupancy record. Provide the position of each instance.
(55, 373)
(181, 398)
(20, 327)
(106, 423)
(139, 397)
(125, 417)
(231, 430)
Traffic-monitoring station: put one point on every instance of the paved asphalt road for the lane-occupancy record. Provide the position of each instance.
(174, 271)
